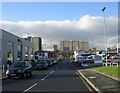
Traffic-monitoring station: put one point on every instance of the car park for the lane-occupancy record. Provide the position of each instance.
(41, 65)
(20, 69)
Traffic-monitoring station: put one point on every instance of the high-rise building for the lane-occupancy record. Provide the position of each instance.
(65, 46)
(55, 47)
(74, 45)
(85, 46)
(37, 43)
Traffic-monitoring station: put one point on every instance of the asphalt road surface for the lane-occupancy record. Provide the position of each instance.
(61, 77)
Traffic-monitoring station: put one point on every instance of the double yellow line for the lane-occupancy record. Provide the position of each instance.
(84, 82)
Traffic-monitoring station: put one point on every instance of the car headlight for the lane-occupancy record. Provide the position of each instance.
(7, 72)
(19, 71)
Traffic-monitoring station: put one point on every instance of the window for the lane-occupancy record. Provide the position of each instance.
(26, 53)
(10, 52)
(32, 53)
(19, 52)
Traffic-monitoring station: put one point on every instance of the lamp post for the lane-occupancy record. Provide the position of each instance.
(43, 48)
(105, 39)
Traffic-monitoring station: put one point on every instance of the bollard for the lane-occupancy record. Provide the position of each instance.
(7, 66)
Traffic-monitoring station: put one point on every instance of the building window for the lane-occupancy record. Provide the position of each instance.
(19, 52)
(32, 53)
(10, 52)
(26, 53)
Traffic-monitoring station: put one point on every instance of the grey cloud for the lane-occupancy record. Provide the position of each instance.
(87, 28)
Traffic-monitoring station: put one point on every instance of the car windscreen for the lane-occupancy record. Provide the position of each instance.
(80, 58)
(89, 57)
(18, 64)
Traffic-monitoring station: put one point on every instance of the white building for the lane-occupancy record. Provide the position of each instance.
(14, 48)
(67, 45)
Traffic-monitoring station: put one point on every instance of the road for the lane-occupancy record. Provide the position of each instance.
(61, 77)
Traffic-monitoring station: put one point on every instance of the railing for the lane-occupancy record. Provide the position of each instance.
(115, 62)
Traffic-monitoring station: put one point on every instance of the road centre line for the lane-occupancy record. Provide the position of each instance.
(52, 71)
(48, 74)
(44, 77)
(56, 68)
(41, 80)
(30, 88)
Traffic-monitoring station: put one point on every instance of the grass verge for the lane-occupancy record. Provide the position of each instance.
(113, 71)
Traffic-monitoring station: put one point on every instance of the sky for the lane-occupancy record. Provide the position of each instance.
(56, 21)
(34, 11)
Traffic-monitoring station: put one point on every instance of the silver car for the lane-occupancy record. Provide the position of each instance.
(80, 59)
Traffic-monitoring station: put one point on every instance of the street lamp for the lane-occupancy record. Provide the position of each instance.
(43, 48)
(105, 40)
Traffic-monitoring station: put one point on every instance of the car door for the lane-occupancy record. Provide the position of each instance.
(27, 68)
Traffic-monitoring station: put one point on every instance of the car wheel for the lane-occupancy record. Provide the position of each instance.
(8, 77)
(24, 75)
(46, 68)
(30, 73)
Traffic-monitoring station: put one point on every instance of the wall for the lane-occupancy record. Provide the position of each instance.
(0, 48)
(8, 37)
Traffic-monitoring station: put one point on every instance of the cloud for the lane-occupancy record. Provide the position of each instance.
(87, 28)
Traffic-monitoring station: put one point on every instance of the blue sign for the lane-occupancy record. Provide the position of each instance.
(118, 49)
(42, 58)
(103, 53)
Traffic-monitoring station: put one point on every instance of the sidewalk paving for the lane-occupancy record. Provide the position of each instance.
(2, 75)
(101, 82)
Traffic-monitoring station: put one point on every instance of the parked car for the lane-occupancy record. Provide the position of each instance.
(41, 65)
(108, 60)
(55, 61)
(89, 59)
(80, 60)
(49, 62)
(20, 69)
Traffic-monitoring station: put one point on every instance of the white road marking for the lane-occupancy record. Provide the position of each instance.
(30, 87)
(52, 71)
(96, 89)
(92, 77)
(48, 74)
(56, 68)
(44, 78)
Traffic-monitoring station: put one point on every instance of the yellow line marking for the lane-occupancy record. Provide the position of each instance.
(84, 82)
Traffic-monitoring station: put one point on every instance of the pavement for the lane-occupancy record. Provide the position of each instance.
(100, 82)
(3, 75)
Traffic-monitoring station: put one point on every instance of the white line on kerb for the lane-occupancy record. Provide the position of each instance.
(30, 87)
